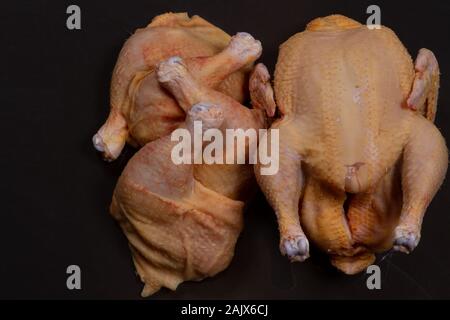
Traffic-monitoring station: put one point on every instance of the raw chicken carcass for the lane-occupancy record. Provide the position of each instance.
(182, 221)
(360, 157)
(142, 111)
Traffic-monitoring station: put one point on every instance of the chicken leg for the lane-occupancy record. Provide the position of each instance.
(284, 201)
(425, 160)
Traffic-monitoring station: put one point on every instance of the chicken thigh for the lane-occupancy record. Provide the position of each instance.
(360, 157)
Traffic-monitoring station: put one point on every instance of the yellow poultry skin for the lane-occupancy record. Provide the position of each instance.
(360, 157)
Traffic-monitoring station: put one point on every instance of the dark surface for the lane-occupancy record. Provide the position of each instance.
(55, 189)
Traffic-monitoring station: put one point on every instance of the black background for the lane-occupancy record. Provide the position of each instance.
(55, 190)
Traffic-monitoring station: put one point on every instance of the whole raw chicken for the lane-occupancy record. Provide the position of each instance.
(182, 221)
(360, 157)
(141, 110)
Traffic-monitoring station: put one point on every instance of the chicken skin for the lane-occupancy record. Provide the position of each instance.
(360, 158)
